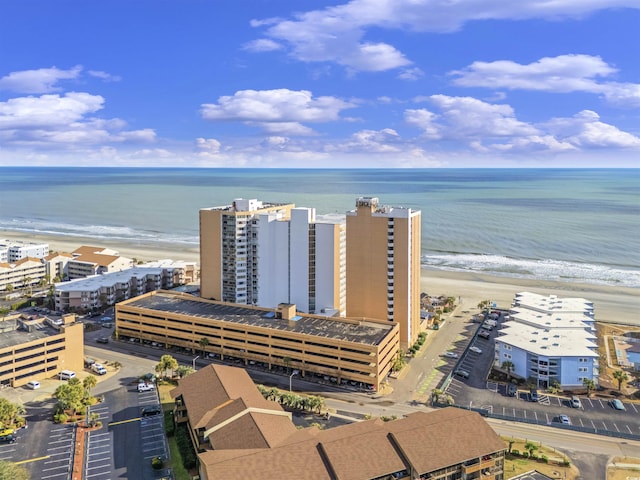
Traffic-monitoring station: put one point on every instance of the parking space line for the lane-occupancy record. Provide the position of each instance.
(634, 407)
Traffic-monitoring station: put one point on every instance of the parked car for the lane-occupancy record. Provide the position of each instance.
(617, 404)
(475, 349)
(103, 340)
(67, 374)
(564, 420)
(152, 410)
(575, 402)
(484, 334)
(451, 354)
(99, 369)
(512, 390)
(461, 373)
(33, 385)
(8, 436)
(146, 387)
(88, 362)
(533, 395)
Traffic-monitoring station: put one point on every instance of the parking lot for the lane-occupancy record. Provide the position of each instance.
(59, 454)
(469, 388)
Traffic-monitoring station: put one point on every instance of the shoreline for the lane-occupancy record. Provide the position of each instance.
(611, 303)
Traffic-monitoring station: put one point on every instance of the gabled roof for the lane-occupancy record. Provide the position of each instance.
(427, 441)
(225, 402)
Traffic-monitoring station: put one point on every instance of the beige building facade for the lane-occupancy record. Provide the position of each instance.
(339, 350)
(383, 265)
(33, 349)
(228, 256)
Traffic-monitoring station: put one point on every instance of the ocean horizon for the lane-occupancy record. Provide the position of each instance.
(573, 225)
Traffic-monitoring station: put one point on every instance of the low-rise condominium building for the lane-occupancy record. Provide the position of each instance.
(238, 435)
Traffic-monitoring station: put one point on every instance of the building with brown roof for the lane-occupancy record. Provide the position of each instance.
(22, 273)
(89, 261)
(447, 443)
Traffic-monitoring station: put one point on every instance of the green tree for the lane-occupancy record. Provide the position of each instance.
(508, 366)
(71, 396)
(11, 471)
(184, 370)
(589, 385)
(89, 382)
(203, 342)
(10, 413)
(530, 447)
(167, 362)
(621, 377)
(398, 361)
(436, 393)
(287, 362)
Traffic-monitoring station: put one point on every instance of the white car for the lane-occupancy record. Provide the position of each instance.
(451, 354)
(99, 369)
(475, 349)
(146, 387)
(33, 385)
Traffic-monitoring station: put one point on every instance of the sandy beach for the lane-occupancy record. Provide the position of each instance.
(612, 304)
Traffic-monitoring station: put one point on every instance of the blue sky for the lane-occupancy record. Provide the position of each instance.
(315, 84)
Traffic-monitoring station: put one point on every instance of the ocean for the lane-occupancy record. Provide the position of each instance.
(552, 224)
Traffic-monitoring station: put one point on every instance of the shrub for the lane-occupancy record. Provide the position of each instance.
(544, 459)
(525, 454)
(515, 452)
(566, 463)
(169, 423)
(185, 447)
(60, 417)
(157, 463)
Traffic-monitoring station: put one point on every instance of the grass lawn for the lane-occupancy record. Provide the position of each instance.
(175, 461)
(517, 465)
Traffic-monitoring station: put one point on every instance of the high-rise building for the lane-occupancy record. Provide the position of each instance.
(383, 265)
(267, 254)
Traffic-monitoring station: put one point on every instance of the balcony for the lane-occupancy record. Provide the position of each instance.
(488, 465)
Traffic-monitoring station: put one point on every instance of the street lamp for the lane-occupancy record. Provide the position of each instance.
(295, 372)
(194, 362)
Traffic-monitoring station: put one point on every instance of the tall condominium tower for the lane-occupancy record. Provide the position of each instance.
(383, 265)
(267, 254)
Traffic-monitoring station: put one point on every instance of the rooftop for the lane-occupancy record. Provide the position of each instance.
(10, 336)
(552, 303)
(363, 332)
(552, 319)
(94, 282)
(550, 342)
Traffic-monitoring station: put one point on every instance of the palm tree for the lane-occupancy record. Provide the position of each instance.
(508, 366)
(167, 362)
(203, 342)
(435, 395)
(621, 376)
(589, 385)
(530, 447)
(89, 382)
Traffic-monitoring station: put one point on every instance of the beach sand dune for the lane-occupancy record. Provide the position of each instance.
(612, 304)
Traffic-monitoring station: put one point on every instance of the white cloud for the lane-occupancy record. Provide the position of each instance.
(48, 110)
(107, 77)
(424, 120)
(338, 33)
(209, 145)
(60, 120)
(386, 140)
(283, 128)
(488, 127)
(276, 111)
(43, 80)
(262, 45)
(587, 131)
(563, 74)
(468, 118)
(411, 74)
